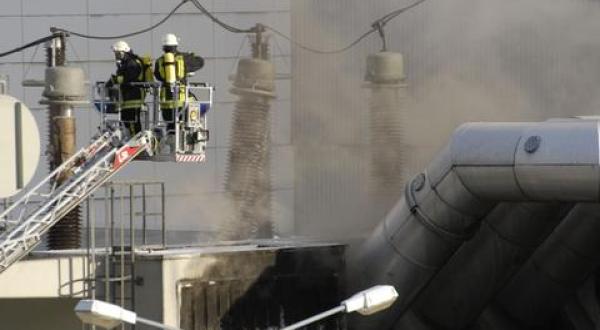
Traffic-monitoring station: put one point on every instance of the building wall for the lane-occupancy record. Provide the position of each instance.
(466, 60)
(195, 194)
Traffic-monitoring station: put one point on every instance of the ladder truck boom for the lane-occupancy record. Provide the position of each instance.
(33, 214)
(24, 222)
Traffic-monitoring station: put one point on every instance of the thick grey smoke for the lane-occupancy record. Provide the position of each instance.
(466, 60)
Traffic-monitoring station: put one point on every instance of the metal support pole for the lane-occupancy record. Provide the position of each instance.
(92, 244)
(162, 214)
(131, 250)
(88, 252)
(19, 146)
(112, 216)
(107, 246)
(122, 236)
(176, 117)
(131, 224)
(144, 214)
(146, 116)
(101, 88)
(156, 105)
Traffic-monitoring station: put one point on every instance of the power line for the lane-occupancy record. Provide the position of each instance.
(319, 51)
(224, 25)
(385, 19)
(31, 44)
(150, 28)
(58, 31)
(377, 26)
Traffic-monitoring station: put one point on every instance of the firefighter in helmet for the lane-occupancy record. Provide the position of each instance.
(130, 69)
(172, 69)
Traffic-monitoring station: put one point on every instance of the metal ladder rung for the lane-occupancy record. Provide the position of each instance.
(72, 194)
(151, 214)
(37, 221)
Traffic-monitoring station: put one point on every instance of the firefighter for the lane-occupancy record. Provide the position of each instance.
(130, 69)
(172, 69)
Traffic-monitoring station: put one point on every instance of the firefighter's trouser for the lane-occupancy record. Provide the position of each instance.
(131, 119)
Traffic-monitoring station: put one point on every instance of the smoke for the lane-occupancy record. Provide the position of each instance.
(466, 60)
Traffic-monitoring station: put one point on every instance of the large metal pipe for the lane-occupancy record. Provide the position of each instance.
(494, 319)
(482, 266)
(483, 164)
(540, 289)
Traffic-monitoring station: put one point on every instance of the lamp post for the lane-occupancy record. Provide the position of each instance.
(109, 316)
(366, 302)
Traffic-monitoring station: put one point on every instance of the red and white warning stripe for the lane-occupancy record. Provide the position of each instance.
(190, 158)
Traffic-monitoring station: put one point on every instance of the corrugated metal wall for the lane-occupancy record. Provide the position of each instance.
(466, 60)
(195, 194)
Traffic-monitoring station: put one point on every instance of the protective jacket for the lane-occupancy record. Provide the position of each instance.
(129, 70)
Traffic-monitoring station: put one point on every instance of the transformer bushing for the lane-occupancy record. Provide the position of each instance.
(64, 89)
(248, 181)
(386, 80)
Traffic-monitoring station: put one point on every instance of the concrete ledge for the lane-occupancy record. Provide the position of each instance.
(45, 278)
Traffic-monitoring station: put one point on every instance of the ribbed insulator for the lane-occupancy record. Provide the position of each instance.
(261, 51)
(248, 181)
(386, 118)
(385, 79)
(58, 53)
(66, 234)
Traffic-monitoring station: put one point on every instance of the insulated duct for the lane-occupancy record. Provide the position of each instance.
(492, 319)
(483, 265)
(386, 80)
(248, 182)
(483, 164)
(562, 264)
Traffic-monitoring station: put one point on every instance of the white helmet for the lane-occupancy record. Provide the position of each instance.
(170, 40)
(121, 46)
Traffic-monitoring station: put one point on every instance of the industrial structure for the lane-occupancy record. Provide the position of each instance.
(248, 175)
(499, 230)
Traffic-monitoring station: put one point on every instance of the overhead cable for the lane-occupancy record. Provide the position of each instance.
(31, 44)
(150, 28)
(319, 51)
(218, 21)
(385, 19)
(377, 26)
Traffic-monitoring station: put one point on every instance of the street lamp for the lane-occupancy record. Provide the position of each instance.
(366, 302)
(108, 316)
